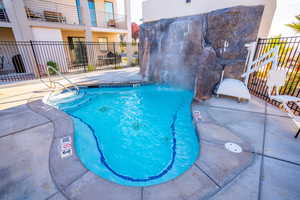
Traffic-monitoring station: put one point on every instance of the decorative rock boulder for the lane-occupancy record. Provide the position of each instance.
(210, 70)
(189, 51)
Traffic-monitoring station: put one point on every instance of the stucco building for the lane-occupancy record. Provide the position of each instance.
(67, 20)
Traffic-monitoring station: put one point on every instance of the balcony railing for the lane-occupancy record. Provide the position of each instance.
(3, 14)
(50, 11)
(109, 20)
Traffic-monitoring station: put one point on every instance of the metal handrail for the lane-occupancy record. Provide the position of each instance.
(269, 57)
(53, 84)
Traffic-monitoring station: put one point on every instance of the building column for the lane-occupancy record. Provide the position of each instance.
(86, 19)
(128, 20)
(17, 16)
(22, 32)
(129, 34)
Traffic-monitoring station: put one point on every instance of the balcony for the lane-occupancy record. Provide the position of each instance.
(49, 11)
(3, 14)
(109, 20)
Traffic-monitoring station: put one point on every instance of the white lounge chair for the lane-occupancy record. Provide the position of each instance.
(276, 79)
(234, 87)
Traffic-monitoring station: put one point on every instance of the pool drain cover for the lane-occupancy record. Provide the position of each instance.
(104, 109)
(232, 147)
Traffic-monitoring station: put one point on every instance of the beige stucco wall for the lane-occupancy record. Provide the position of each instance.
(8, 52)
(46, 34)
(95, 49)
(6, 34)
(112, 37)
(158, 9)
(69, 33)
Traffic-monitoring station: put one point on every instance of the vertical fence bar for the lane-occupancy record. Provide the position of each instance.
(289, 60)
(28, 59)
(35, 59)
(115, 55)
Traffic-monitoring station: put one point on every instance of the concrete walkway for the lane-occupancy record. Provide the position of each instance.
(268, 168)
(15, 94)
(275, 169)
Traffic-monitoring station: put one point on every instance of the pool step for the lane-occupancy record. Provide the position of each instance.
(74, 104)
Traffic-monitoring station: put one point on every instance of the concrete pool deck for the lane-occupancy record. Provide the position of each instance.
(268, 167)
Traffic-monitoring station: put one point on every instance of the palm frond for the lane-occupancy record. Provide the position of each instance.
(295, 25)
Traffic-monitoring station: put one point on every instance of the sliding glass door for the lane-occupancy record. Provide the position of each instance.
(109, 11)
(78, 52)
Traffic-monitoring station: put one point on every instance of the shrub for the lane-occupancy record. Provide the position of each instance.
(54, 65)
(91, 68)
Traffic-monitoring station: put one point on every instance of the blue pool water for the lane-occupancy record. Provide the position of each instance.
(134, 136)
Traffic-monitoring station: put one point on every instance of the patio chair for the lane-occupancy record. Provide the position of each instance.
(235, 87)
(276, 79)
(111, 23)
(52, 16)
(31, 14)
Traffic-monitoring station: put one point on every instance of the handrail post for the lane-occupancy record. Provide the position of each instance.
(64, 77)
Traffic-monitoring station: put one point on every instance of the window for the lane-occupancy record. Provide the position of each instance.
(109, 11)
(92, 12)
(104, 43)
(79, 11)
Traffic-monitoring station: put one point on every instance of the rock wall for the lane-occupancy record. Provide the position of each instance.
(191, 51)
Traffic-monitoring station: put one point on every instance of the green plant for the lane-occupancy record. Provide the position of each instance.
(91, 68)
(54, 65)
(118, 67)
(292, 82)
(123, 44)
(284, 50)
(295, 25)
(134, 62)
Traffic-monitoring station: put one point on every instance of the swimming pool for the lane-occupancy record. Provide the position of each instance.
(134, 136)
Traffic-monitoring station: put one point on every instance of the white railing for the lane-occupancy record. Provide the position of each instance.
(52, 11)
(3, 14)
(269, 57)
(110, 20)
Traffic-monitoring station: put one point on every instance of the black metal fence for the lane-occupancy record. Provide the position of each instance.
(29, 60)
(289, 60)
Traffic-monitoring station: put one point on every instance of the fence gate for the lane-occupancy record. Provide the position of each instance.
(289, 60)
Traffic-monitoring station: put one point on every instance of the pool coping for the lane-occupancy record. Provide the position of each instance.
(63, 126)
